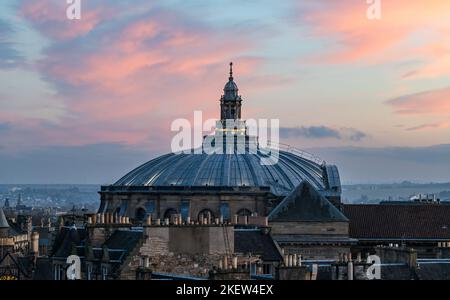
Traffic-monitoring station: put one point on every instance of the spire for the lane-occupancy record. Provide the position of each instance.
(231, 71)
(19, 200)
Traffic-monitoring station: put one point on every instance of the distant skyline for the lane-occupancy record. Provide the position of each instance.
(86, 101)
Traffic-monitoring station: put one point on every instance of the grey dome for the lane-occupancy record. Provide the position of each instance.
(231, 86)
(230, 170)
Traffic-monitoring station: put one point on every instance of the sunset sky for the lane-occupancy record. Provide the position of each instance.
(84, 101)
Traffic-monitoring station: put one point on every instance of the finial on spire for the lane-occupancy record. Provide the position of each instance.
(231, 71)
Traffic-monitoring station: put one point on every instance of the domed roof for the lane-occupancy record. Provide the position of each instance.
(228, 170)
(233, 170)
(231, 86)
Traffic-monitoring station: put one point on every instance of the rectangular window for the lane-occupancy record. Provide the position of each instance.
(185, 208)
(123, 207)
(149, 208)
(225, 211)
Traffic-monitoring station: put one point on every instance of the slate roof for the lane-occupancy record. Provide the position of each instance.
(113, 255)
(434, 271)
(3, 221)
(43, 270)
(399, 221)
(67, 239)
(120, 244)
(397, 272)
(256, 242)
(305, 203)
(124, 239)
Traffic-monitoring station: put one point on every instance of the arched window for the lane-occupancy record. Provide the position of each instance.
(206, 213)
(244, 212)
(170, 214)
(140, 214)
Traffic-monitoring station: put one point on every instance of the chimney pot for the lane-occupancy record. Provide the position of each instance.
(350, 270)
(225, 263)
(235, 219)
(235, 262)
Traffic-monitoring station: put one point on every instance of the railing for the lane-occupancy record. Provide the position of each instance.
(288, 148)
(299, 152)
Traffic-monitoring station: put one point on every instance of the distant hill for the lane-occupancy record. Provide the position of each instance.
(374, 193)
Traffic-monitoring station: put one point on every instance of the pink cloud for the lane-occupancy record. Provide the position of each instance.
(389, 39)
(49, 16)
(428, 126)
(435, 102)
(126, 81)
